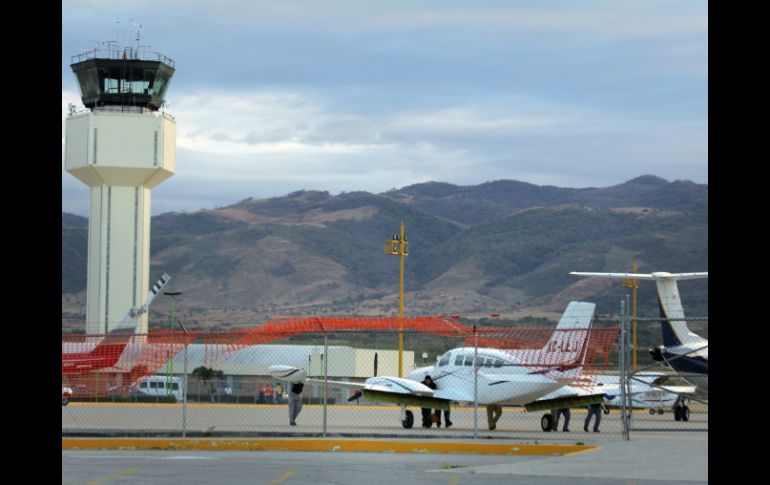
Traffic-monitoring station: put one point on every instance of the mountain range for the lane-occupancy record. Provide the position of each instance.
(499, 247)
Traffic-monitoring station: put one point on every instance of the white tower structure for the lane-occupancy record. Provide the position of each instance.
(121, 147)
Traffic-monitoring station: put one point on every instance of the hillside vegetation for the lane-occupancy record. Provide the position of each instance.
(499, 247)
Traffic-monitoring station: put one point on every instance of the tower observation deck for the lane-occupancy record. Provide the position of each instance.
(127, 78)
(121, 146)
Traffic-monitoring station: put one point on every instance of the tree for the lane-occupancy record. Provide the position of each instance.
(207, 373)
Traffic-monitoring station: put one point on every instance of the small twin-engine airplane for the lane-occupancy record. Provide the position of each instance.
(110, 348)
(513, 377)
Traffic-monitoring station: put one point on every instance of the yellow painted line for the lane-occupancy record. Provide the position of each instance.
(454, 480)
(266, 406)
(282, 478)
(580, 452)
(225, 405)
(113, 476)
(331, 444)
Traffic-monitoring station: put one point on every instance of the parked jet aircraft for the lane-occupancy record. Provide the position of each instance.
(515, 377)
(682, 350)
(110, 348)
(648, 391)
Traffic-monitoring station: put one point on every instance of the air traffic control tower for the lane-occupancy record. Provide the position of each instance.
(122, 146)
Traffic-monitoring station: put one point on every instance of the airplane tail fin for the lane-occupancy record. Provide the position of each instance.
(130, 320)
(566, 350)
(673, 325)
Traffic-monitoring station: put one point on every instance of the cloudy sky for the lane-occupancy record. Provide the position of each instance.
(342, 95)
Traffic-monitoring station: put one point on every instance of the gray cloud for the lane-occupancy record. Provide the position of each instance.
(272, 97)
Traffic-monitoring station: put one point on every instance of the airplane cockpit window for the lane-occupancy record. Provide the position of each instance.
(444, 360)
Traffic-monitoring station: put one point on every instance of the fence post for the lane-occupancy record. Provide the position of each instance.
(326, 378)
(475, 382)
(184, 401)
(629, 371)
(622, 376)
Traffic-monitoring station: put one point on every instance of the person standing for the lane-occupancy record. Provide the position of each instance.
(437, 413)
(269, 393)
(557, 414)
(494, 411)
(295, 402)
(427, 417)
(593, 410)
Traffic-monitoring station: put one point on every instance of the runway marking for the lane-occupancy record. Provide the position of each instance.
(113, 476)
(282, 478)
(332, 445)
(580, 452)
(263, 406)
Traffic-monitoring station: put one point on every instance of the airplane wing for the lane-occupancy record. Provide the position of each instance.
(566, 397)
(397, 390)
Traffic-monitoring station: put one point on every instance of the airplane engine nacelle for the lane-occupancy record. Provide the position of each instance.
(657, 354)
(287, 373)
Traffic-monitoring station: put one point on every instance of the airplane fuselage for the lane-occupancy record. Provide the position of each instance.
(502, 377)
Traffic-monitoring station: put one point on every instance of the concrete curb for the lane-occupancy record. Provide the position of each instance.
(337, 445)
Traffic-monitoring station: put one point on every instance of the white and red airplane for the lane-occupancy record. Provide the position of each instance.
(108, 351)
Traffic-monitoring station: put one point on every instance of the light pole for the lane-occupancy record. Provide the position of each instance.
(634, 284)
(399, 246)
(170, 366)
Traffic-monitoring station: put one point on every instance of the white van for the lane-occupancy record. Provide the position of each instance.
(161, 386)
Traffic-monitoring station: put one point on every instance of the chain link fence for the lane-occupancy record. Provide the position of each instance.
(220, 383)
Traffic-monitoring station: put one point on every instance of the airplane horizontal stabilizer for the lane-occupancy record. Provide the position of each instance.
(565, 402)
(646, 276)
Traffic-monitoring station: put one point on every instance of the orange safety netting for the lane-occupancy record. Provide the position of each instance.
(98, 365)
(582, 351)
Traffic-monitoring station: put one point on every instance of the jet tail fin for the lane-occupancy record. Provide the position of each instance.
(673, 324)
(131, 318)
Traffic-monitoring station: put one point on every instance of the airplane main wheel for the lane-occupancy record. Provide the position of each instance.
(652, 411)
(685, 413)
(65, 401)
(678, 413)
(409, 421)
(660, 411)
(545, 422)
